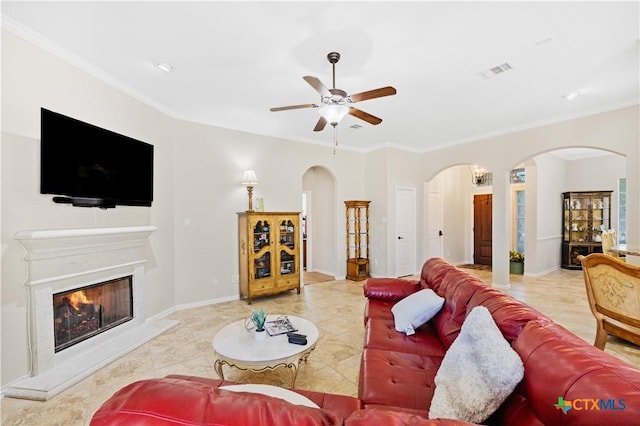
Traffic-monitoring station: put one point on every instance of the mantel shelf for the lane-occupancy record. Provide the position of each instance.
(48, 234)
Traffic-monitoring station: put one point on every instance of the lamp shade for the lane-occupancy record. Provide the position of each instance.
(249, 178)
(333, 113)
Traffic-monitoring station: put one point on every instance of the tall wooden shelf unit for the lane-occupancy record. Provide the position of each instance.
(357, 240)
(269, 253)
(585, 215)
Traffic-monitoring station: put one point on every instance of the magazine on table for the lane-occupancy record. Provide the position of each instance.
(279, 326)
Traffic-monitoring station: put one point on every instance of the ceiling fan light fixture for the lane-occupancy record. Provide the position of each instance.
(333, 113)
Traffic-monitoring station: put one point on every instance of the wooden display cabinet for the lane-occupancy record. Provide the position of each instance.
(585, 215)
(357, 223)
(269, 253)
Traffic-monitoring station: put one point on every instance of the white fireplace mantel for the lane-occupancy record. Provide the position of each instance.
(66, 259)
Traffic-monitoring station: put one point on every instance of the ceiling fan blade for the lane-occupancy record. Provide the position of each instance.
(372, 119)
(320, 125)
(317, 84)
(284, 108)
(371, 94)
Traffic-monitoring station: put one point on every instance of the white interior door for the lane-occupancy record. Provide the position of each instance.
(405, 231)
(435, 226)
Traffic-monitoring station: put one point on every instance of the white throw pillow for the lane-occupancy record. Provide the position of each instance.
(478, 372)
(415, 310)
(274, 391)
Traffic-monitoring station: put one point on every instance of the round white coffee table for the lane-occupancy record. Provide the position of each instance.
(236, 347)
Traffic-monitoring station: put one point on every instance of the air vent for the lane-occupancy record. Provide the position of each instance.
(493, 71)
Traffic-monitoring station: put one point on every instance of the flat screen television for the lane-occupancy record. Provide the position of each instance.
(88, 166)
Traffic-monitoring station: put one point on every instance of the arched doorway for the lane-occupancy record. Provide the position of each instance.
(319, 188)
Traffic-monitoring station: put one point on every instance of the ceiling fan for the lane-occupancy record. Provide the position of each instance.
(335, 103)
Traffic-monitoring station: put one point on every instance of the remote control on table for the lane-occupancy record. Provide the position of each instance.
(298, 340)
(296, 335)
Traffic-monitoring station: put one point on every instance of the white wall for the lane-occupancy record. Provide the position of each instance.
(377, 193)
(458, 210)
(388, 169)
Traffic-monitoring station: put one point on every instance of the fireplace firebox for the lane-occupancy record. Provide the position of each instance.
(84, 312)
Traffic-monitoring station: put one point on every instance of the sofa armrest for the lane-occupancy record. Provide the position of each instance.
(173, 401)
(389, 288)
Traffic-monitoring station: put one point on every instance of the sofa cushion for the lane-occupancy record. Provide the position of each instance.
(378, 308)
(179, 402)
(478, 372)
(381, 334)
(415, 310)
(397, 378)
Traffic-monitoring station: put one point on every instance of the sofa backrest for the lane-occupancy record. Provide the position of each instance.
(463, 292)
(568, 381)
(510, 314)
(433, 271)
(457, 287)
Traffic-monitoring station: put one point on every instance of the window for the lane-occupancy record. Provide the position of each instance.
(622, 211)
(517, 178)
(520, 221)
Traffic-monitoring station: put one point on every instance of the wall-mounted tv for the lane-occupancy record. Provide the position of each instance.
(87, 166)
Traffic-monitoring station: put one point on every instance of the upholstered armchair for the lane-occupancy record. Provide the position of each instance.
(613, 291)
(610, 239)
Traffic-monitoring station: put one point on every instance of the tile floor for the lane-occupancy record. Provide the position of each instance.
(335, 306)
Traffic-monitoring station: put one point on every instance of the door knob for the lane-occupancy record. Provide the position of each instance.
(440, 234)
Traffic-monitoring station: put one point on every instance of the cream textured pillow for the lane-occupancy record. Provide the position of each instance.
(478, 372)
(415, 310)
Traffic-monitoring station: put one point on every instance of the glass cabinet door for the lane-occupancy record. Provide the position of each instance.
(287, 239)
(600, 216)
(261, 241)
(579, 226)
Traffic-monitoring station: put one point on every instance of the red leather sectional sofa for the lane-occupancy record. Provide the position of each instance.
(188, 400)
(397, 372)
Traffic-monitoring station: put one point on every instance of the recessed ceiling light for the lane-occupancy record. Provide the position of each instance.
(571, 96)
(165, 66)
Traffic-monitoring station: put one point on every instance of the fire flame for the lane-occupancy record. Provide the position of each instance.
(78, 297)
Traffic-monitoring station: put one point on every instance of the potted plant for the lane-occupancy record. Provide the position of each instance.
(516, 262)
(259, 318)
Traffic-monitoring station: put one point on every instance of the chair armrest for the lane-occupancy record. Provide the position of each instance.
(389, 288)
